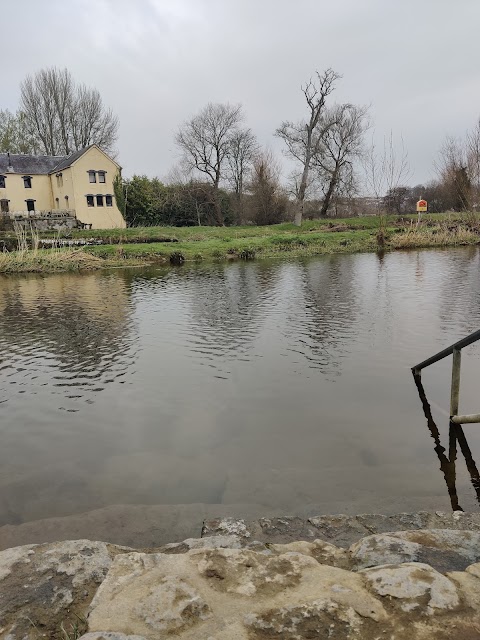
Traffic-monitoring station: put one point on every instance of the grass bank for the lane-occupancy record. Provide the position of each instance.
(48, 260)
(106, 248)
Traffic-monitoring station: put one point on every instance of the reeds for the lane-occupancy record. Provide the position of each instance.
(447, 233)
(29, 258)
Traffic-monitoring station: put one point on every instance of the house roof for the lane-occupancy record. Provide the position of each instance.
(37, 165)
(66, 161)
(28, 164)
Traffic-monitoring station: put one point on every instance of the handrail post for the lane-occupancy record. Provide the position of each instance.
(455, 388)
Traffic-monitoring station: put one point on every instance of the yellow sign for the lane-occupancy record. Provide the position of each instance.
(422, 205)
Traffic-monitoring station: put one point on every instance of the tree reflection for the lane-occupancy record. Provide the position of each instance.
(324, 318)
(64, 330)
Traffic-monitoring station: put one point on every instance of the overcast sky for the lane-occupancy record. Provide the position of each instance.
(157, 62)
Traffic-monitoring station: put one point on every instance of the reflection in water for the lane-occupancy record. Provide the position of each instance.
(448, 463)
(259, 386)
(64, 332)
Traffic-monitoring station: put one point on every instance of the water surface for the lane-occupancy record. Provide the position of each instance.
(276, 387)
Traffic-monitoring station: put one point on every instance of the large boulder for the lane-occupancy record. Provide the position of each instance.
(46, 587)
(444, 550)
(227, 593)
(413, 587)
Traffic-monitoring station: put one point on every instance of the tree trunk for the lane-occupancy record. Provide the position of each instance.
(299, 213)
(303, 183)
(218, 209)
(329, 194)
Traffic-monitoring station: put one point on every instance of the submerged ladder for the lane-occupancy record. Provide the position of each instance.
(456, 351)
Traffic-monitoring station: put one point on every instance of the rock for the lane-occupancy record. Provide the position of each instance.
(444, 550)
(474, 570)
(413, 587)
(140, 594)
(468, 588)
(213, 593)
(43, 586)
(317, 619)
(340, 530)
(382, 549)
(323, 552)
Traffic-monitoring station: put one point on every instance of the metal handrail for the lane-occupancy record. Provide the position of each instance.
(456, 351)
(464, 342)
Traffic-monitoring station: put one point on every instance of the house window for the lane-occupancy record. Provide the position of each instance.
(90, 202)
(66, 202)
(109, 201)
(59, 180)
(57, 203)
(2, 182)
(4, 208)
(27, 182)
(101, 176)
(30, 205)
(92, 176)
(99, 201)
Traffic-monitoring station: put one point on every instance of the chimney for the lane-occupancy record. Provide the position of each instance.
(9, 165)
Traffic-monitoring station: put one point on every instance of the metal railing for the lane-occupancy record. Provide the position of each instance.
(456, 351)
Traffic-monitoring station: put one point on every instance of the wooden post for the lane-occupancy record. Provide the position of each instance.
(455, 389)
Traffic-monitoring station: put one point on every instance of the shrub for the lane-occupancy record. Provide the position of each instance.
(247, 254)
(177, 257)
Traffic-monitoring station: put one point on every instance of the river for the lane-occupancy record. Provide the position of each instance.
(261, 387)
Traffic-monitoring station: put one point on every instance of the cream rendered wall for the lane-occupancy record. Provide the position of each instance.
(99, 217)
(65, 190)
(17, 194)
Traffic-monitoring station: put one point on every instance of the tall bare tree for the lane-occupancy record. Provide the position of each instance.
(386, 170)
(303, 138)
(206, 140)
(242, 152)
(341, 145)
(64, 117)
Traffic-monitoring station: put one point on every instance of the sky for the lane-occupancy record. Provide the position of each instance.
(156, 63)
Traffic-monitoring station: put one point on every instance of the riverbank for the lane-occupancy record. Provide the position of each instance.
(80, 250)
(409, 576)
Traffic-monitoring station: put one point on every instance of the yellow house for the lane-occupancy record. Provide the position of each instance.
(80, 185)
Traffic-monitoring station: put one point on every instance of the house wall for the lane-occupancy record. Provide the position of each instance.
(15, 191)
(99, 217)
(61, 191)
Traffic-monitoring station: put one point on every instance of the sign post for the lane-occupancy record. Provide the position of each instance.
(422, 206)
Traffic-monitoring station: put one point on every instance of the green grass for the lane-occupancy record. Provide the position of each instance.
(148, 245)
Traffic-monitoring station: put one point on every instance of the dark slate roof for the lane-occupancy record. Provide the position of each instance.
(66, 161)
(35, 165)
(28, 165)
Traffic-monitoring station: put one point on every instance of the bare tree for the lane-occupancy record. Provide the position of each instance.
(206, 143)
(473, 160)
(303, 138)
(341, 145)
(267, 202)
(91, 122)
(64, 117)
(385, 171)
(454, 171)
(242, 152)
